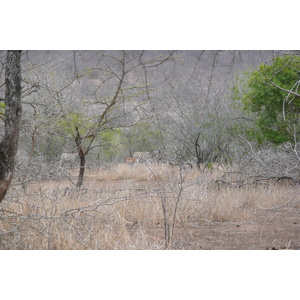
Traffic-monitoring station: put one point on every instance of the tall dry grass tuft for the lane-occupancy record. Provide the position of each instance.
(125, 207)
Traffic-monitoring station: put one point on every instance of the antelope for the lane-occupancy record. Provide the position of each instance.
(130, 160)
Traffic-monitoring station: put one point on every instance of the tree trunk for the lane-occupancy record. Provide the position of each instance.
(13, 114)
(198, 164)
(81, 172)
(82, 159)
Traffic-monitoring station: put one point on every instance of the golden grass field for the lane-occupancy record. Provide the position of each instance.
(149, 207)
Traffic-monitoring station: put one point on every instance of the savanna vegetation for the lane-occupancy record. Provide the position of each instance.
(223, 125)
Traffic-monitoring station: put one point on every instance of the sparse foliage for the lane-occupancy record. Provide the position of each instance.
(163, 154)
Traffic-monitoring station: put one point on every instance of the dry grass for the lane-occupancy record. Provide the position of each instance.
(125, 207)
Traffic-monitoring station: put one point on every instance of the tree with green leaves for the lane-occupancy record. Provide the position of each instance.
(272, 94)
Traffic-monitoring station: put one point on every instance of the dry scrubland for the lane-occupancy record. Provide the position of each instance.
(149, 207)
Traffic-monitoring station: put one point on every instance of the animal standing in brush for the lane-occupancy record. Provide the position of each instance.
(153, 156)
(130, 160)
(68, 159)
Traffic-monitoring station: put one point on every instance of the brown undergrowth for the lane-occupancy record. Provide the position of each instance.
(125, 207)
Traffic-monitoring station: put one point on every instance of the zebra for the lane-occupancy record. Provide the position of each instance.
(152, 156)
(68, 159)
(141, 157)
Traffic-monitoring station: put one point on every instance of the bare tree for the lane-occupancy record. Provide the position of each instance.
(42, 138)
(116, 101)
(13, 114)
(197, 120)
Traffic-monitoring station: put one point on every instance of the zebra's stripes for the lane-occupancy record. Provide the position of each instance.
(68, 159)
(141, 157)
(147, 157)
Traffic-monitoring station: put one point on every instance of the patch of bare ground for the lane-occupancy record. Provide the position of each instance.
(265, 230)
(149, 207)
